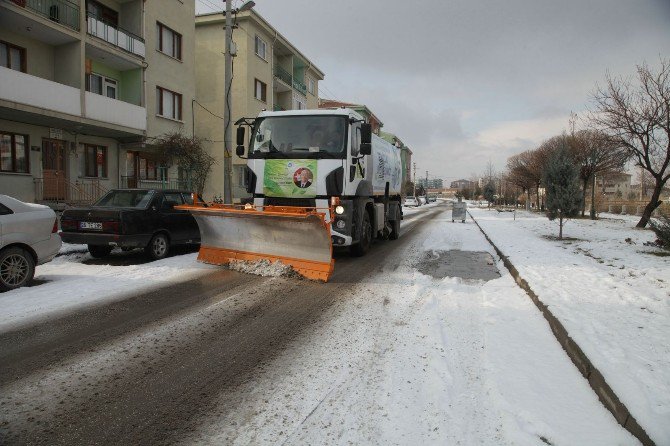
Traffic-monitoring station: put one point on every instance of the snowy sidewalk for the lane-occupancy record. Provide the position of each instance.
(609, 291)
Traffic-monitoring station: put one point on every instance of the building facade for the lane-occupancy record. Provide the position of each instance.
(269, 73)
(430, 183)
(84, 88)
(362, 110)
(462, 184)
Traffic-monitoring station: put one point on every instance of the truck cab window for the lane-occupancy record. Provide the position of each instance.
(300, 136)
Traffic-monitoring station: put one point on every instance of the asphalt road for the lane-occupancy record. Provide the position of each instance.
(145, 369)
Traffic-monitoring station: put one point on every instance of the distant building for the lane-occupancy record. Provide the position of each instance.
(615, 185)
(462, 184)
(363, 110)
(431, 183)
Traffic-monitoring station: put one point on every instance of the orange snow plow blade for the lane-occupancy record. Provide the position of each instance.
(296, 236)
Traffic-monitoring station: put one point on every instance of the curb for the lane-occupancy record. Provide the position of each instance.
(596, 380)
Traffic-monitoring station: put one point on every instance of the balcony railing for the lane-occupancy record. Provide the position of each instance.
(301, 87)
(116, 36)
(283, 75)
(60, 11)
(58, 189)
(132, 182)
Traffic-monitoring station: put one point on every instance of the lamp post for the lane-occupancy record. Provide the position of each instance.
(227, 106)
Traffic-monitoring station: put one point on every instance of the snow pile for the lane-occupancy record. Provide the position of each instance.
(263, 268)
(610, 291)
(66, 284)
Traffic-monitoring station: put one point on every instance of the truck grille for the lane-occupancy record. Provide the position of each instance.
(280, 201)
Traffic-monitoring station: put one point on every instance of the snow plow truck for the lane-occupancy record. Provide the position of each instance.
(317, 179)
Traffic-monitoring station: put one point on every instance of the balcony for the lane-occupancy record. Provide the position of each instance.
(301, 87)
(117, 112)
(283, 75)
(31, 90)
(116, 36)
(60, 11)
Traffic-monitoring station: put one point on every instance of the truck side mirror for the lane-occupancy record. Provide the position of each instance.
(366, 139)
(239, 150)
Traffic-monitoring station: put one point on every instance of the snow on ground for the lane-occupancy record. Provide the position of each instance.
(409, 210)
(70, 284)
(404, 358)
(610, 291)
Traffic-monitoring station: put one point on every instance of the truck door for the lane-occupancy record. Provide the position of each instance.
(357, 170)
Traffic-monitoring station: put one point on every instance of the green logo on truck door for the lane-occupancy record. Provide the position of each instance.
(290, 178)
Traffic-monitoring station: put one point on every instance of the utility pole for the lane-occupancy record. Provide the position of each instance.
(426, 182)
(414, 182)
(227, 139)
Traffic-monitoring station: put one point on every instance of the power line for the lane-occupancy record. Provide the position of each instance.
(207, 110)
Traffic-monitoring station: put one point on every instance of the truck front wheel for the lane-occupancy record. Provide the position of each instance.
(363, 246)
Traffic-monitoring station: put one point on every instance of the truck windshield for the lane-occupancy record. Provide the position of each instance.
(299, 136)
(131, 198)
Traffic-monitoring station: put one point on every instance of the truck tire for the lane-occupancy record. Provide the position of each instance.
(17, 268)
(395, 230)
(363, 246)
(99, 251)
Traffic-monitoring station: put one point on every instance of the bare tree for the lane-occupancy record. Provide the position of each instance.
(519, 175)
(637, 117)
(594, 153)
(186, 152)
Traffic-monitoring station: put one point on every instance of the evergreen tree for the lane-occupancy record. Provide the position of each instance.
(489, 193)
(564, 197)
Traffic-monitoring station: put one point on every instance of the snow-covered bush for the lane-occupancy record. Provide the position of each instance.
(661, 226)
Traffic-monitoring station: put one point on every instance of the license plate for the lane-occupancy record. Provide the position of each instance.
(89, 225)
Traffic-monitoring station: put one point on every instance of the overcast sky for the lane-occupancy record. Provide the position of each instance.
(462, 82)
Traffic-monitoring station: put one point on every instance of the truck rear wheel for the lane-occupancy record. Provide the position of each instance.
(363, 246)
(395, 230)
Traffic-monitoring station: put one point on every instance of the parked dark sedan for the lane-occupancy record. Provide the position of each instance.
(132, 218)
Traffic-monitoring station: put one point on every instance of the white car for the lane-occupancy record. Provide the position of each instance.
(28, 237)
(422, 200)
(411, 202)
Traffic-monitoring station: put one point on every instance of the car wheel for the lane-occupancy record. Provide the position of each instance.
(99, 251)
(17, 268)
(158, 247)
(363, 246)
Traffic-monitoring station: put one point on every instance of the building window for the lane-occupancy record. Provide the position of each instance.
(261, 48)
(14, 155)
(168, 103)
(99, 84)
(311, 86)
(260, 90)
(241, 176)
(95, 161)
(102, 13)
(299, 102)
(12, 57)
(169, 41)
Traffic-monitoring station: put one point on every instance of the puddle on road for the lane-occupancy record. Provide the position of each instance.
(468, 265)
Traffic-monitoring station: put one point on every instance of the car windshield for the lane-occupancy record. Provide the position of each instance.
(132, 198)
(300, 136)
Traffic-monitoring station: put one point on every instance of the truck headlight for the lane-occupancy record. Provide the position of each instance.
(339, 210)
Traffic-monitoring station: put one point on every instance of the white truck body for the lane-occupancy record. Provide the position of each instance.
(307, 157)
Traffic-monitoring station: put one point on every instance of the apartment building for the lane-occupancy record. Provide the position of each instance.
(361, 109)
(269, 73)
(84, 87)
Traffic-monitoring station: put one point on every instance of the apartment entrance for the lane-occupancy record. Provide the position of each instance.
(53, 169)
